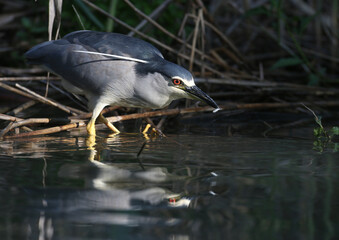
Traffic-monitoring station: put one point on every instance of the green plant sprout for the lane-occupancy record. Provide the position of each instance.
(323, 137)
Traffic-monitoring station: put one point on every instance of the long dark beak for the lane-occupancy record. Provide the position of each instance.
(198, 94)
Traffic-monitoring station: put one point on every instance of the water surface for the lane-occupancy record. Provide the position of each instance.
(180, 187)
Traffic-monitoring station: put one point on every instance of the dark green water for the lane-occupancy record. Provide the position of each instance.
(181, 187)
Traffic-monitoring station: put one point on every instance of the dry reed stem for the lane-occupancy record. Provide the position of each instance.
(150, 38)
(88, 115)
(270, 84)
(164, 30)
(22, 107)
(49, 101)
(9, 118)
(194, 41)
(15, 90)
(32, 78)
(48, 130)
(6, 129)
(222, 36)
(9, 126)
(32, 95)
(18, 122)
(154, 14)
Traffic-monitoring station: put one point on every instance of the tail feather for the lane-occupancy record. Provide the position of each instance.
(37, 53)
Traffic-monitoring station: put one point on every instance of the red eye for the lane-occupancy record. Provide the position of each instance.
(176, 81)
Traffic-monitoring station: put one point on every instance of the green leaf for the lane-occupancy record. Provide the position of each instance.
(334, 131)
(286, 62)
(317, 132)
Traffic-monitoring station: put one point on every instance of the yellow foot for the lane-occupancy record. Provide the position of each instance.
(153, 132)
(108, 124)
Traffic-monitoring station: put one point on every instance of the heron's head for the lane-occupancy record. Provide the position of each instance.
(178, 81)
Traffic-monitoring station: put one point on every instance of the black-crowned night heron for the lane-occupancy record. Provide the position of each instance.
(115, 69)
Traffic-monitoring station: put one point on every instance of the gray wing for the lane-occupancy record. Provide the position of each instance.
(114, 43)
(92, 73)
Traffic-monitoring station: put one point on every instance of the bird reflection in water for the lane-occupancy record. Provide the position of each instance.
(119, 186)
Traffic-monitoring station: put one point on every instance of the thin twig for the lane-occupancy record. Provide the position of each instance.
(184, 56)
(48, 130)
(31, 121)
(10, 125)
(47, 84)
(50, 101)
(22, 107)
(154, 14)
(316, 118)
(164, 30)
(10, 71)
(33, 78)
(222, 36)
(194, 42)
(15, 90)
(78, 17)
(246, 83)
(292, 124)
(88, 115)
(158, 113)
(6, 129)
(18, 122)
(73, 97)
(9, 118)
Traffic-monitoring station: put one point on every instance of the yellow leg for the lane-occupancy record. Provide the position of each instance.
(91, 127)
(108, 124)
(146, 128)
(96, 112)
